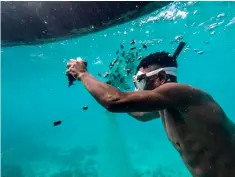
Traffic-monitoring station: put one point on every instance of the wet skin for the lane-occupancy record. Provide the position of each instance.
(202, 134)
(195, 124)
(204, 137)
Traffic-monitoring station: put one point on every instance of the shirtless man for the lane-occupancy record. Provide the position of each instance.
(195, 124)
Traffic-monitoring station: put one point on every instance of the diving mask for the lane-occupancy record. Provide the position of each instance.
(140, 79)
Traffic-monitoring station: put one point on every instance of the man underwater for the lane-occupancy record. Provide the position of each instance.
(195, 124)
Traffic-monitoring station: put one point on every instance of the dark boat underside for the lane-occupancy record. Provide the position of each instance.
(28, 23)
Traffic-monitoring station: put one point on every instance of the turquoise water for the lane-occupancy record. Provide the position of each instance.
(94, 142)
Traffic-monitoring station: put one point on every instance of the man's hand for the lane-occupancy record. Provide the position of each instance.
(76, 68)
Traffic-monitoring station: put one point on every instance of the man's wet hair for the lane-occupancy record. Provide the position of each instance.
(160, 59)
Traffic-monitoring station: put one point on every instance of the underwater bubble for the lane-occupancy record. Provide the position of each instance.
(186, 49)
(201, 24)
(97, 61)
(213, 32)
(178, 38)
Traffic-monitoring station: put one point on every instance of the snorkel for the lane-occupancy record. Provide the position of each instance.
(140, 78)
(179, 49)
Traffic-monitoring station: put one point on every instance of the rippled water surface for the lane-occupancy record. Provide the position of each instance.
(93, 142)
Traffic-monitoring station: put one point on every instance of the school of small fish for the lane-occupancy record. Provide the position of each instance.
(122, 67)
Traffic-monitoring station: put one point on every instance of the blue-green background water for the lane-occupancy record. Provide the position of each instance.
(35, 93)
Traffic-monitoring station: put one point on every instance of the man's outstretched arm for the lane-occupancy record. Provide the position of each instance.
(112, 99)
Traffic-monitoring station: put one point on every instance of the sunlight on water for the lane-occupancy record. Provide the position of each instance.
(35, 93)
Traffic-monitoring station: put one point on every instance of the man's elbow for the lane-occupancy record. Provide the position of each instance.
(112, 107)
(114, 103)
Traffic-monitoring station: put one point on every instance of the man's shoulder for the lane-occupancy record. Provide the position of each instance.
(178, 87)
(184, 92)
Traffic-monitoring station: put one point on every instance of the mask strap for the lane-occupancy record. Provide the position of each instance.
(168, 70)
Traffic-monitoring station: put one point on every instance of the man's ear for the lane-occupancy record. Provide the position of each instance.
(163, 77)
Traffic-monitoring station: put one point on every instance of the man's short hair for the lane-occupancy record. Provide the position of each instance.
(162, 59)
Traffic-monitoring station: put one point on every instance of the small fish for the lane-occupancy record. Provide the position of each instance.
(56, 123)
(122, 80)
(132, 55)
(122, 46)
(128, 71)
(108, 82)
(85, 108)
(132, 48)
(114, 61)
(117, 52)
(106, 74)
(116, 69)
(144, 46)
(132, 42)
(110, 66)
(139, 58)
(123, 54)
(99, 74)
(127, 61)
